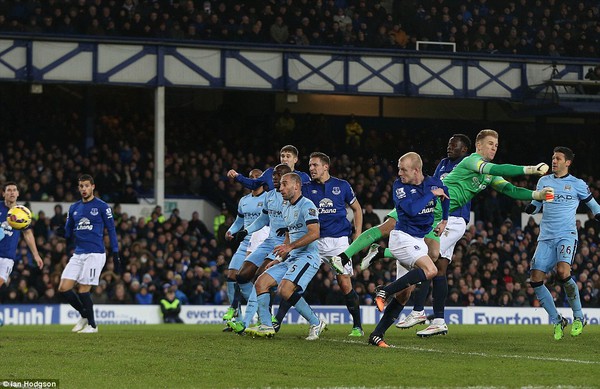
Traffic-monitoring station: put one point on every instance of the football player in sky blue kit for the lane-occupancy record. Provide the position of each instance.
(86, 222)
(332, 195)
(415, 197)
(249, 209)
(298, 260)
(255, 263)
(557, 242)
(10, 240)
(288, 155)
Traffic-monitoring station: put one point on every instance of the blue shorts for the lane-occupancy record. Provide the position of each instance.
(265, 250)
(299, 271)
(238, 258)
(549, 252)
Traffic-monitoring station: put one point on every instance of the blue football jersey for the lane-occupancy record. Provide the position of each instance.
(249, 209)
(297, 217)
(271, 214)
(86, 222)
(415, 205)
(445, 166)
(265, 179)
(331, 199)
(558, 218)
(8, 245)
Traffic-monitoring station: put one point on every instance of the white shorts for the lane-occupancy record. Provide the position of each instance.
(406, 248)
(328, 247)
(6, 266)
(401, 269)
(257, 238)
(455, 229)
(85, 268)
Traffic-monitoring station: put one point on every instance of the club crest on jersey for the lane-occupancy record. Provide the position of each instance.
(400, 193)
(296, 213)
(336, 190)
(567, 187)
(94, 211)
(259, 205)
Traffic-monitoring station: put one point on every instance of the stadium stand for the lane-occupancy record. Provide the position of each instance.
(489, 266)
(525, 27)
(489, 263)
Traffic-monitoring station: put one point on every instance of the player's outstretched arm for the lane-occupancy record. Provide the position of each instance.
(254, 183)
(536, 205)
(518, 193)
(538, 170)
(484, 167)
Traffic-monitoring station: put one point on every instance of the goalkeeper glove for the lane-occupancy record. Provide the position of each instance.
(281, 231)
(116, 262)
(539, 170)
(239, 236)
(545, 194)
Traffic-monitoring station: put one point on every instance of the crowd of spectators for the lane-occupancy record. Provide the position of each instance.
(528, 27)
(165, 251)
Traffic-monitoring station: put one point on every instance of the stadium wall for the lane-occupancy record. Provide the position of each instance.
(186, 207)
(211, 314)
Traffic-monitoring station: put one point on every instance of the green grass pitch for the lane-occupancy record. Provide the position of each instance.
(201, 356)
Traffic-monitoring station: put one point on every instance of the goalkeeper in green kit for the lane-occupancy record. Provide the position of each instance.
(471, 176)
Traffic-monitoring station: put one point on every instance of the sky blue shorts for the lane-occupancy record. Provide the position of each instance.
(265, 250)
(549, 252)
(299, 270)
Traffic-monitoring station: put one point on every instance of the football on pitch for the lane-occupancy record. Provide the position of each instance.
(19, 217)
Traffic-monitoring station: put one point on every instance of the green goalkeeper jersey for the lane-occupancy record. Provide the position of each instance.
(473, 174)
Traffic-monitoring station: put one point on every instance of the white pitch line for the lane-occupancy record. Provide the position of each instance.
(472, 353)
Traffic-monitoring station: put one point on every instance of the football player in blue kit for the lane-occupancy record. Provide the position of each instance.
(458, 149)
(10, 236)
(86, 221)
(415, 197)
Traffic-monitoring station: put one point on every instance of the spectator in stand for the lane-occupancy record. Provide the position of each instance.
(353, 133)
